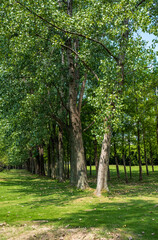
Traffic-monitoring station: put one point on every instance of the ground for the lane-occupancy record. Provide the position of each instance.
(33, 207)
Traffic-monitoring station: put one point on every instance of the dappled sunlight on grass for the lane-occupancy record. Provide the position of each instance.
(128, 208)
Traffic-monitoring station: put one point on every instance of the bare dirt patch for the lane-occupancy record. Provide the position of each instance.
(36, 231)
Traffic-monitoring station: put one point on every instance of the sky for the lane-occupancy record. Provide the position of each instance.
(149, 37)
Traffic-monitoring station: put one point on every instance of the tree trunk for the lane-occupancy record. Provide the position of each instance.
(78, 167)
(151, 156)
(37, 163)
(139, 157)
(102, 179)
(42, 170)
(53, 159)
(116, 160)
(157, 128)
(123, 158)
(145, 158)
(129, 148)
(96, 155)
(49, 160)
(61, 156)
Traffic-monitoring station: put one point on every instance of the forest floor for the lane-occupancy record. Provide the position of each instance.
(33, 207)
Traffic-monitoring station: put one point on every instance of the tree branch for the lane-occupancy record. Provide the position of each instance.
(73, 51)
(59, 121)
(69, 32)
(63, 104)
(88, 126)
(138, 4)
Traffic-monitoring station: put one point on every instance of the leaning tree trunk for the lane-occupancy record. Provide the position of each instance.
(102, 179)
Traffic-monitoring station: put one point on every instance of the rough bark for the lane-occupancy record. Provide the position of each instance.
(102, 179)
(78, 168)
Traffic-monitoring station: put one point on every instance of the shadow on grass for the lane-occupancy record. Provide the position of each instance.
(135, 216)
(138, 217)
(26, 184)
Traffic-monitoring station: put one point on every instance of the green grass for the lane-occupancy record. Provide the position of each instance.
(128, 209)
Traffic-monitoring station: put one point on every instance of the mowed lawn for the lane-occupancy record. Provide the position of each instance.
(128, 211)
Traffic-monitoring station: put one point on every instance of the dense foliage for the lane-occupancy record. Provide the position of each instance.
(72, 72)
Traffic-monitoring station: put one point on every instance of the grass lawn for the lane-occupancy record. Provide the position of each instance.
(33, 207)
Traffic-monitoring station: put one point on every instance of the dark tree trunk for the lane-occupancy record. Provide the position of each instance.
(123, 158)
(138, 146)
(42, 169)
(151, 156)
(90, 165)
(61, 156)
(28, 165)
(129, 154)
(53, 160)
(109, 176)
(145, 157)
(37, 163)
(116, 160)
(49, 161)
(157, 128)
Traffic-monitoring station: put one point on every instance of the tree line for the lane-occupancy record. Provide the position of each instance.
(78, 87)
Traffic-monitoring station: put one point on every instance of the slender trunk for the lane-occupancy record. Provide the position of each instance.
(129, 153)
(145, 158)
(116, 160)
(157, 128)
(28, 164)
(49, 160)
(123, 158)
(42, 169)
(102, 179)
(151, 156)
(90, 165)
(109, 176)
(37, 163)
(96, 155)
(138, 146)
(53, 160)
(68, 161)
(61, 155)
